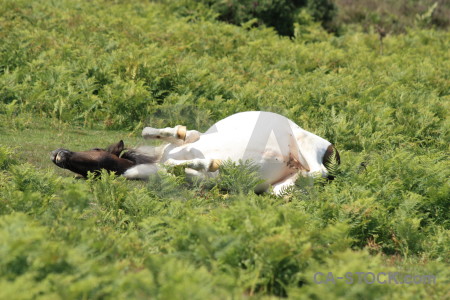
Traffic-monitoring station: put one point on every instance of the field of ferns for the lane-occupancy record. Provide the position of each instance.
(85, 74)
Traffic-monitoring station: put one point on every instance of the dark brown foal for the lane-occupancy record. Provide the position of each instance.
(94, 160)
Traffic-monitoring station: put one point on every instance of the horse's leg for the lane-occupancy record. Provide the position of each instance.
(194, 175)
(199, 164)
(141, 171)
(177, 134)
(284, 184)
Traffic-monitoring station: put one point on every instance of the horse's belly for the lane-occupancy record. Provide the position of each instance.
(273, 165)
(264, 138)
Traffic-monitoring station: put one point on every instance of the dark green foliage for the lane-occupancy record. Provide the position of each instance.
(323, 11)
(279, 14)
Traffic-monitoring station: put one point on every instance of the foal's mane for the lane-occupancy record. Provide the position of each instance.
(142, 155)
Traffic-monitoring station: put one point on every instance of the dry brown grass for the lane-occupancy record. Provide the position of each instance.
(394, 16)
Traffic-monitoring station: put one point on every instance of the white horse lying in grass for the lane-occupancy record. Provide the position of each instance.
(277, 146)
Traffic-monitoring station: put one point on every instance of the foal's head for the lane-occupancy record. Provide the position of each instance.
(94, 160)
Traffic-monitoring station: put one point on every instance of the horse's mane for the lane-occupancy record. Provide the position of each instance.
(143, 155)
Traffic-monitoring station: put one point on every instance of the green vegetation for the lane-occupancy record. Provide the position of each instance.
(85, 74)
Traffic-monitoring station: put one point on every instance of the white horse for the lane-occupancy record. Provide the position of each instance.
(279, 147)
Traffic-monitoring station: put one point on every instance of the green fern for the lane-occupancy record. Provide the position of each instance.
(238, 177)
(333, 165)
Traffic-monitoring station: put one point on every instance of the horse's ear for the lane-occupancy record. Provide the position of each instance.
(116, 149)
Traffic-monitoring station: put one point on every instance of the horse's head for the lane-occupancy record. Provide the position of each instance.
(93, 160)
